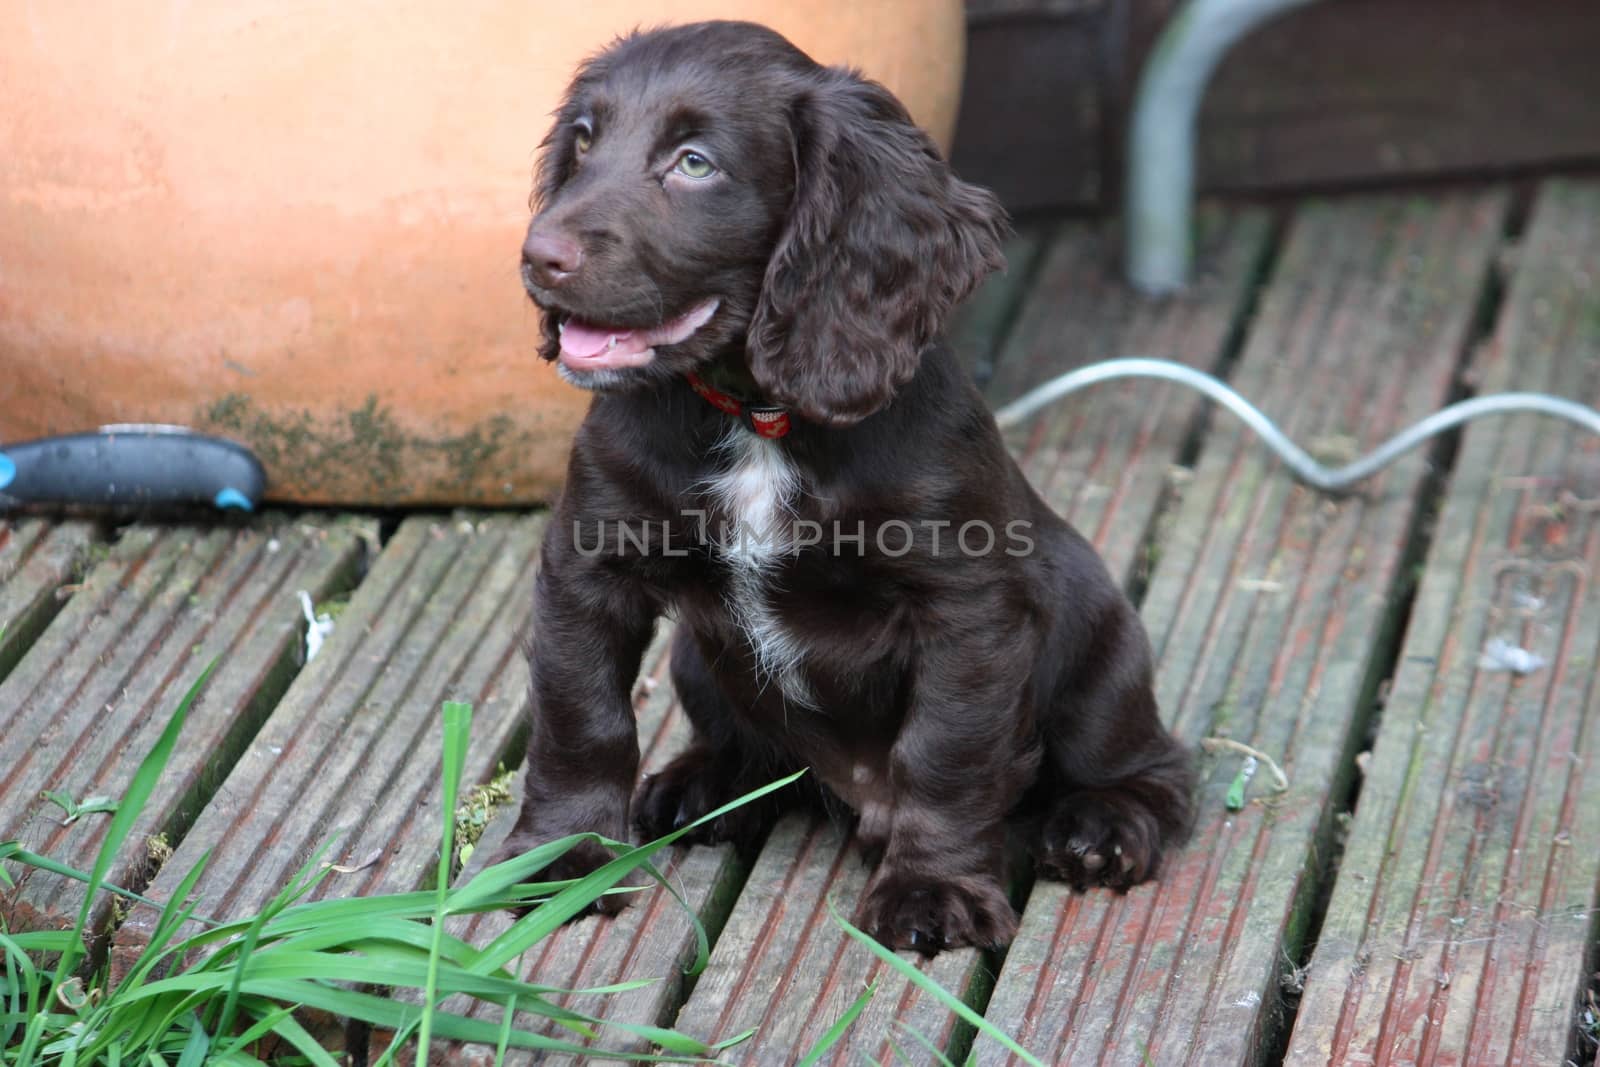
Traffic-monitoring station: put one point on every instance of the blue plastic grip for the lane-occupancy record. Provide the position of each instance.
(232, 498)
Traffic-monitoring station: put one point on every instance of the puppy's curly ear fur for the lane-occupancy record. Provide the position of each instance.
(881, 242)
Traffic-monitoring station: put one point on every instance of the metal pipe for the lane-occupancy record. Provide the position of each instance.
(1159, 199)
(1300, 462)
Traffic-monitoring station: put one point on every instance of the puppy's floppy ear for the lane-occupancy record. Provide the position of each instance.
(881, 242)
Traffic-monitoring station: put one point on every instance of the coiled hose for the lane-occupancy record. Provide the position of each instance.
(1298, 460)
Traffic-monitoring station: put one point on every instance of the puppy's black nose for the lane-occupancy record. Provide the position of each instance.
(549, 259)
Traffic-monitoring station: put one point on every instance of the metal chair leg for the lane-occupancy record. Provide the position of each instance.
(1160, 182)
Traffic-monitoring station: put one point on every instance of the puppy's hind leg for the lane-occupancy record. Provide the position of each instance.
(724, 760)
(1117, 788)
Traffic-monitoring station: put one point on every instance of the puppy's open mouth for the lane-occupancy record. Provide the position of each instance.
(589, 346)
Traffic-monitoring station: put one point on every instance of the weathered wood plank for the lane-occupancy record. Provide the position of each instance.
(781, 964)
(37, 558)
(353, 748)
(89, 699)
(1459, 922)
(1266, 608)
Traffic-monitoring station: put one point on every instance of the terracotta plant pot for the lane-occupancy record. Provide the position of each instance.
(298, 225)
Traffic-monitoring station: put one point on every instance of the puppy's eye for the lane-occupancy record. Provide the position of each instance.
(581, 140)
(694, 165)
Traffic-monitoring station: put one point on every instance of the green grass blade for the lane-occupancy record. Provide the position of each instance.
(13, 851)
(737, 1039)
(934, 989)
(836, 1032)
(309, 969)
(254, 973)
(41, 940)
(920, 1038)
(457, 730)
(303, 980)
(304, 881)
(196, 1047)
(547, 917)
(128, 812)
(494, 884)
(671, 1040)
(268, 1016)
(396, 938)
(702, 943)
(508, 1014)
(391, 1015)
(236, 956)
(22, 979)
(28, 1050)
(239, 964)
(291, 1031)
(318, 915)
(173, 915)
(53, 1020)
(147, 1024)
(1234, 801)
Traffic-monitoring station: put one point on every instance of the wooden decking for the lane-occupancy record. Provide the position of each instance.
(1426, 891)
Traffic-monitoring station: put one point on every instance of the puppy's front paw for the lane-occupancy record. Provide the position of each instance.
(930, 914)
(1102, 837)
(693, 785)
(583, 858)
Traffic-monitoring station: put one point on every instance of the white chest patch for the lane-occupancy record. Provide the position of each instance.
(755, 502)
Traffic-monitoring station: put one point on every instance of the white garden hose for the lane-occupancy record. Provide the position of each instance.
(1299, 462)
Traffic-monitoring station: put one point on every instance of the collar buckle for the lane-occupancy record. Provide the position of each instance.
(763, 420)
(766, 420)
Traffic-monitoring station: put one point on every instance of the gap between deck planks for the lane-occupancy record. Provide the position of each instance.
(90, 696)
(351, 753)
(1268, 609)
(1464, 911)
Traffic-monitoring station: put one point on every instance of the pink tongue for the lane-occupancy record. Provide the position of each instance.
(586, 340)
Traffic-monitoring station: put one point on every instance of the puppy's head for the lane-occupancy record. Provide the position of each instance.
(710, 190)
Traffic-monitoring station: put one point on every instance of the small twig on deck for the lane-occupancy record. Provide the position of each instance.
(352, 868)
(1228, 744)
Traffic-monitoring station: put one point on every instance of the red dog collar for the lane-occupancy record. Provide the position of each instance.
(764, 420)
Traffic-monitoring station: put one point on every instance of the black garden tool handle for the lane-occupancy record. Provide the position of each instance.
(130, 467)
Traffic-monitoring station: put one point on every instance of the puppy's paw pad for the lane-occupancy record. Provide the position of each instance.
(929, 915)
(1093, 839)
